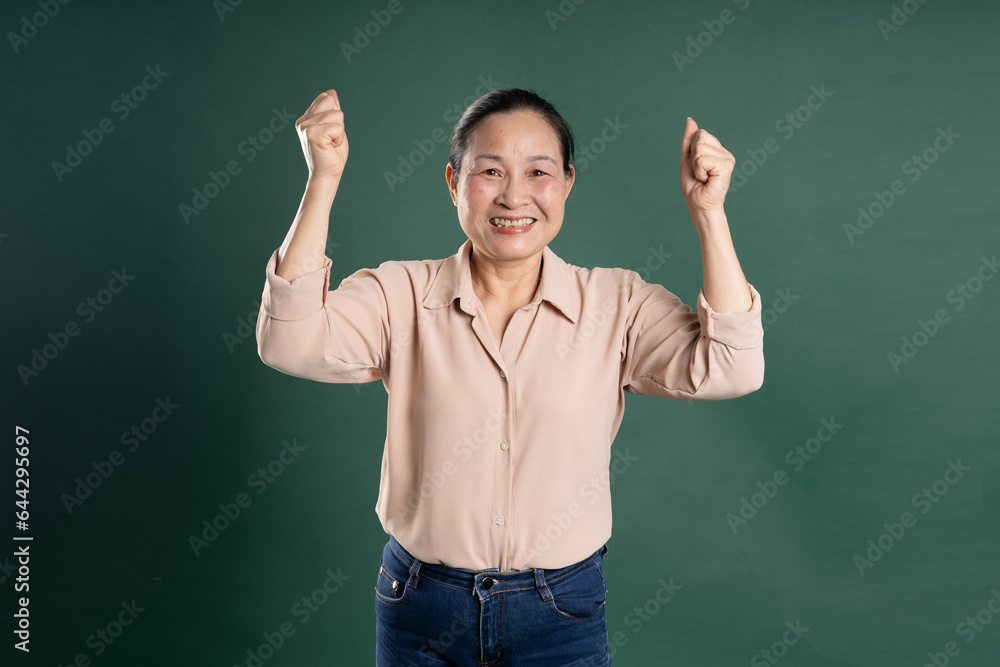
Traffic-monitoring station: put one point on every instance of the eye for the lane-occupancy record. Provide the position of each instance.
(540, 172)
(486, 171)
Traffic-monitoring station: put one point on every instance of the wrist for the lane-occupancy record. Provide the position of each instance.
(707, 221)
(324, 187)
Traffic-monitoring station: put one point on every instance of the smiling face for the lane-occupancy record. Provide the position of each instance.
(512, 170)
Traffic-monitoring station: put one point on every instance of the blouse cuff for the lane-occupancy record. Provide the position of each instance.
(737, 330)
(299, 298)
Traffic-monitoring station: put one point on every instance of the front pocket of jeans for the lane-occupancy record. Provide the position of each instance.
(390, 587)
(579, 595)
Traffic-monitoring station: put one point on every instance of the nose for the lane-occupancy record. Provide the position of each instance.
(514, 192)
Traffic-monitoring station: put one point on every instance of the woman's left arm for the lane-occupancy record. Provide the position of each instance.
(706, 169)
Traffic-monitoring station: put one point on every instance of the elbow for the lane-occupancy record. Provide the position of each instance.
(755, 384)
(271, 358)
(751, 377)
(748, 375)
(272, 352)
(739, 379)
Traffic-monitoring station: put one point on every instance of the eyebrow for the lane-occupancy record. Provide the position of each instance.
(497, 158)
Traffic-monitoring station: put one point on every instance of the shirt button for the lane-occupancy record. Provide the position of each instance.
(502, 374)
(503, 446)
(499, 520)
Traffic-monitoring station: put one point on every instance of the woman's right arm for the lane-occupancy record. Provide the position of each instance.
(324, 144)
(303, 329)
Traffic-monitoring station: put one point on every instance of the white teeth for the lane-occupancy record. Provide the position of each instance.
(522, 222)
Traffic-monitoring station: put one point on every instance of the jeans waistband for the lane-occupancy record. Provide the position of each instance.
(472, 579)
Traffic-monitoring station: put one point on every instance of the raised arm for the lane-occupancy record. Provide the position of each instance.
(303, 328)
(718, 352)
(324, 143)
(706, 168)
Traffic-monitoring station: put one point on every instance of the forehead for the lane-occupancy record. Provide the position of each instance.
(518, 130)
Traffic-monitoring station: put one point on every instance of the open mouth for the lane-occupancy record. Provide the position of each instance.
(503, 222)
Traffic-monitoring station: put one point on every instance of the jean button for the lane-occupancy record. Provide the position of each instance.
(487, 583)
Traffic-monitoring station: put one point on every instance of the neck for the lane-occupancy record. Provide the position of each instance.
(515, 281)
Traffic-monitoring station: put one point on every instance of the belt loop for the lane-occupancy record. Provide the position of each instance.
(540, 584)
(414, 573)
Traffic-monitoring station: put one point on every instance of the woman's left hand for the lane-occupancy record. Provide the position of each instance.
(706, 168)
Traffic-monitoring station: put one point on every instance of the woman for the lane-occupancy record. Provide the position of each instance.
(505, 369)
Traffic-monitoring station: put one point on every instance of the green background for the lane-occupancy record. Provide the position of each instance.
(179, 329)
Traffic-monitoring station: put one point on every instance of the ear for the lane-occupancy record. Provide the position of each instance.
(448, 171)
(571, 180)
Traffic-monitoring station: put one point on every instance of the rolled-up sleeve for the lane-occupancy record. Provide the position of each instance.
(676, 353)
(309, 331)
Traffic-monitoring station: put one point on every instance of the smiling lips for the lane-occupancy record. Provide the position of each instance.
(504, 222)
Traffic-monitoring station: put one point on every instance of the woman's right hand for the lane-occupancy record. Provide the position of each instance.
(324, 142)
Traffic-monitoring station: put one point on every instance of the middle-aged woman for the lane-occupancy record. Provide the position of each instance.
(505, 369)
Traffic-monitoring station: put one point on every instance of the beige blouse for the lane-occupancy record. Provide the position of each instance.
(499, 457)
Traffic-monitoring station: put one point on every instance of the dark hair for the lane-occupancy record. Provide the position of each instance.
(507, 100)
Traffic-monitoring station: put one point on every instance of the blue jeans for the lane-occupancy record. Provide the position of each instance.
(428, 614)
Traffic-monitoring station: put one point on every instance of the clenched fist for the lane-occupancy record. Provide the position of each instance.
(324, 142)
(706, 169)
